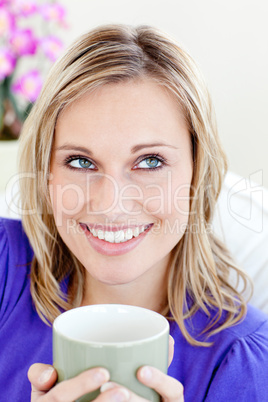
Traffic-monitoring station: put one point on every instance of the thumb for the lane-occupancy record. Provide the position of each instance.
(42, 377)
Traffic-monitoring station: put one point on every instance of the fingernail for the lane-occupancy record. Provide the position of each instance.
(107, 386)
(45, 376)
(121, 395)
(101, 375)
(146, 373)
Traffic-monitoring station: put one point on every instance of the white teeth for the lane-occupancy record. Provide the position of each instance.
(93, 231)
(136, 232)
(120, 236)
(109, 236)
(100, 234)
(129, 234)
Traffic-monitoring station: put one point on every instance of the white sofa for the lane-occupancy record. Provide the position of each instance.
(241, 221)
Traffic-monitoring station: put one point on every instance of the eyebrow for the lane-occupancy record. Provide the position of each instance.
(71, 147)
(136, 148)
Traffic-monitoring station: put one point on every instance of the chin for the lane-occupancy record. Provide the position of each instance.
(113, 278)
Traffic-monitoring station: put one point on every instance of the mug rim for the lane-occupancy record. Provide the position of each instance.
(118, 344)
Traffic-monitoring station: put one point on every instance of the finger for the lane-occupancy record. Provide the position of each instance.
(114, 392)
(170, 349)
(70, 390)
(42, 377)
(170, 389)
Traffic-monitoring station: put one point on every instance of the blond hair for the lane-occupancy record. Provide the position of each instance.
(199, 264)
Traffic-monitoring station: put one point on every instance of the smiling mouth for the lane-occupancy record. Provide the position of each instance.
(117, 236)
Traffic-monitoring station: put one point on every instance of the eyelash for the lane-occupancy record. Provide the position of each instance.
(152, 156)
(157, 156)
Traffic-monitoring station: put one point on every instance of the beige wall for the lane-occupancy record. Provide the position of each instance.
(229, 40)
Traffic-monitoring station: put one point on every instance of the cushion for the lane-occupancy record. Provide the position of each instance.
(241, 221)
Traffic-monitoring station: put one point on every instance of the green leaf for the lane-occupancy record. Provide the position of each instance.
(6, 87)
(13, 100)
(27, 110)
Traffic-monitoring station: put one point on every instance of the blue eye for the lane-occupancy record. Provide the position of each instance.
(150, 163)
(80, 163)
(147, 162)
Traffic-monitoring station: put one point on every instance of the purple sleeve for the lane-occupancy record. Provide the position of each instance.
(3, 266)
(24, 338)
(243, 374)
(15, 259)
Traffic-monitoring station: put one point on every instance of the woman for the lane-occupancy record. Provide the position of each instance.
(121, 169)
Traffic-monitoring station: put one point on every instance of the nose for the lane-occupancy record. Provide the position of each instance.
(112, 197)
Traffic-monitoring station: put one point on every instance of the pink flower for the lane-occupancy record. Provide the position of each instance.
(25, 7)
(51, 46)
(29, 85)
(7, 22)
(53, 12)
(23, 42)
(7, 62)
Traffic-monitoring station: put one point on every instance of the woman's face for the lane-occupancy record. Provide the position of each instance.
(121, 171)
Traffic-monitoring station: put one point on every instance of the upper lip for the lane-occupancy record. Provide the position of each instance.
(115, 228)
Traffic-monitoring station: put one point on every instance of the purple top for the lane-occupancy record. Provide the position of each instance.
(235, 368)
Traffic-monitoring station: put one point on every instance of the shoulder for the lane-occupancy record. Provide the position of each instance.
(253, 322)
(13, 240)
(253, 326)
(247, 341)
(245, 361)
(233, 367)
(15, 260)
(12, 230)
(24, 337)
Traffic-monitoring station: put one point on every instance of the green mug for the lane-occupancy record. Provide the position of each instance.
(117, 337)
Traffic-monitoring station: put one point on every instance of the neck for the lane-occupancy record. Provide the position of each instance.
(149, 291)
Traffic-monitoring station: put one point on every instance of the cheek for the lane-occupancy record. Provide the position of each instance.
(181, 200)
(67, 200)
(170, 204)
(170, 198)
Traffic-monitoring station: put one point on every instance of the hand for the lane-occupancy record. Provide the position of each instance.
(167, 387)
(43, 377)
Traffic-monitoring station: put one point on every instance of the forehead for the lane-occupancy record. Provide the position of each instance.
(136, 109)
